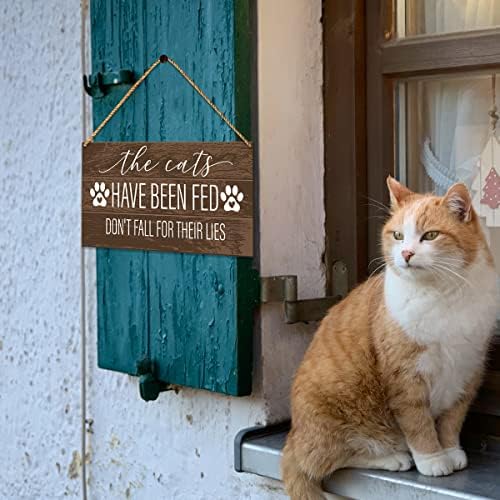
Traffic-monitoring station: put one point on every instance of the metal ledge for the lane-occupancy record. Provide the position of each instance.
(258, 451)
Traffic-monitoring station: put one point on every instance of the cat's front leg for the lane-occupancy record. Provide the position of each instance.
(450, 422)
(411, 409)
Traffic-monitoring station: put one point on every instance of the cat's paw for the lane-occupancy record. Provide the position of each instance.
(458, 457)
(399, 461)
(434, 464)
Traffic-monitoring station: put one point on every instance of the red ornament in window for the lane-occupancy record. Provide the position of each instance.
(491, 190)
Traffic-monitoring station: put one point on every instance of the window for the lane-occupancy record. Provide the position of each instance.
(446, 126)
(447, 131)
(416, 98)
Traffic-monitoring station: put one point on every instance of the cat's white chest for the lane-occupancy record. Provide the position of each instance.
(447, 369)
(454, 326)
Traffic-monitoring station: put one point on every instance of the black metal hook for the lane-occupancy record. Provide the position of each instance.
(98, 84)
(149, 386)
(93, 85)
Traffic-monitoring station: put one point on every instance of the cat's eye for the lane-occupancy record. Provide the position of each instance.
(430, 235)
(398, 235)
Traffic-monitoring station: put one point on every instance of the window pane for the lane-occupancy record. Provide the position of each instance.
(446, 133)
(427, 17)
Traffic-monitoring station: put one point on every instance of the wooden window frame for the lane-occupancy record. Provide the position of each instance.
(345, 137)
(362, 61)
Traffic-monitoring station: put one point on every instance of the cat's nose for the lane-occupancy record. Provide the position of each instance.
(407, 255)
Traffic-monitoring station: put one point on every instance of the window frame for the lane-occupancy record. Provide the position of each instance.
(360, 134)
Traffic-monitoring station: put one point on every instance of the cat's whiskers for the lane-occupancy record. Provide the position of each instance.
(435, 272)
(446, 277)
(452, 263)
(376, 259)
(379, 267)
(451, 266)
(450, 260)
(378, 204)
(458, 275)
(381, 217)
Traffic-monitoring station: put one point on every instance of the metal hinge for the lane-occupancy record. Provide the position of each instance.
(284, 289)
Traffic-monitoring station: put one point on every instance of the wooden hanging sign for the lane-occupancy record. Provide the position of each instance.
(194, 197)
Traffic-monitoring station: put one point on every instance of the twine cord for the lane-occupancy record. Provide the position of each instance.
(160, 60)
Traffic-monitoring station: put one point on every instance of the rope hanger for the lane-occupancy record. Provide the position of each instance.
(160, 60)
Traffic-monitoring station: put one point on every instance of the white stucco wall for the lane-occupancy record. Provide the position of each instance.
(40, 129)
(180, 446)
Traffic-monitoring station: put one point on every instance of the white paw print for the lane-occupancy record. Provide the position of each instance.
(99, 194)
(232, 197)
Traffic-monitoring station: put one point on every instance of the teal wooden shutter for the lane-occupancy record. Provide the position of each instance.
(192, 315)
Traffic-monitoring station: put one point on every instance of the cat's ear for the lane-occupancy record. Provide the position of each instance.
(459, 202)
(397, 192)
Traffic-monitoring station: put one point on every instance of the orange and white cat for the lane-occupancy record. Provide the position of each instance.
(393, 368)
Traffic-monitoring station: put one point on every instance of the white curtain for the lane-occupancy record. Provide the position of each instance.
(455, 117)
(446, 16)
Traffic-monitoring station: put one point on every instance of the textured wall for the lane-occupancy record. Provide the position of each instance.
(291, 178)
(40, 130)
(180, 446)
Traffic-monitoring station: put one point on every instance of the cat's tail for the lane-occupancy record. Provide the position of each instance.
(298, 484)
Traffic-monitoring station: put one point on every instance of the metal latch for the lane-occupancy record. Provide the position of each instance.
(98, 84)
(284, 289)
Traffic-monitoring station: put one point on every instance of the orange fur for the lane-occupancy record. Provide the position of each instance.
(357, 395)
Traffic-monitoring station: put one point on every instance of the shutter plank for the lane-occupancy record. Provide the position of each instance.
(122, 275)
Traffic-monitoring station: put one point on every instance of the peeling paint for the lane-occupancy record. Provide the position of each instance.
(132, 486)
(114, 442)
(75, 466)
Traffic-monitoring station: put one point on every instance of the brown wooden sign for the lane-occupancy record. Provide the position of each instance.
(194, 197)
